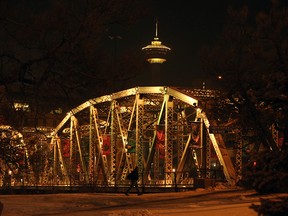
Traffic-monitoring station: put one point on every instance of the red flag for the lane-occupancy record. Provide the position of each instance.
(106, 146)
(160, 142)
(66, 148)
(195, 132)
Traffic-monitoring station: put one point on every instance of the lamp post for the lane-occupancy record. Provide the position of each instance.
(9, 178)
(175, 183)
(115, 39)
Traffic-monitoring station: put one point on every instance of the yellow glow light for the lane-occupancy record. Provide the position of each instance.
(156, 60)
(21, 106)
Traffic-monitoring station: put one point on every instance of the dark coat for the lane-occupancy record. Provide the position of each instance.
(133, 175)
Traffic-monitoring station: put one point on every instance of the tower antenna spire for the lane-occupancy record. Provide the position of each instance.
(156, 32)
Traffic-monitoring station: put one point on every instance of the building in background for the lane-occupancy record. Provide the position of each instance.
(156, 54)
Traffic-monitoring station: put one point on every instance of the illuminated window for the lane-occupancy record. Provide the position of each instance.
(57, 111)
(19, 106)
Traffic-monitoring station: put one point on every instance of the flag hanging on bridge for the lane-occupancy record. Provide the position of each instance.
(195, 134)
(160, 141)
(106, 146)
(131, 142)
(66, 148)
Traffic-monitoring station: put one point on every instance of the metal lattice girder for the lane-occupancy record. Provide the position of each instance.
(131, 120)
(275, 133)
(153, 145)
(168, 140)
(124, 124)
(207, 154)
(92, 145)
(183, 159)
(189, 150)
(72, 155)
(180, 139)
(139, 133)
(121, 126)
(79, 149)
(195, 158)
(114, 129)
(239, 154)
(76, 157)
(98, 141)
(47, 170)
(221, 152)
(58, 154)
(202, 138)
(54, 142)
(128, 166)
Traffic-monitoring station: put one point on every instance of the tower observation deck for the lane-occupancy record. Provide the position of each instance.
(156, 52)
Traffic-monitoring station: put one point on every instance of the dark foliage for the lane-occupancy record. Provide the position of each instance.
(11, 151)
(267, 172)
(57, 54)
(273, 207)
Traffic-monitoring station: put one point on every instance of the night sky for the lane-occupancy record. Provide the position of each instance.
(185, 28)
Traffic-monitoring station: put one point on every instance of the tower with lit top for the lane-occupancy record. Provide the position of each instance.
(156, 52)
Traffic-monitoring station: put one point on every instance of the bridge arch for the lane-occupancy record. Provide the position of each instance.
(161, 129)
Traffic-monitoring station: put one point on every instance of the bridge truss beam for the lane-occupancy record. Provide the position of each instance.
(159, 129)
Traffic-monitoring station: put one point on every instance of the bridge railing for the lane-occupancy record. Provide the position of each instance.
(157, 179)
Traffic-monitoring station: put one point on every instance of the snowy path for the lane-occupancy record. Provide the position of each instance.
(200, 202)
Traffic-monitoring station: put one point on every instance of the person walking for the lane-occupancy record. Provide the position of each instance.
(133, 177)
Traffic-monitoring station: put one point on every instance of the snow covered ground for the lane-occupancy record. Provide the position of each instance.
(204, 202)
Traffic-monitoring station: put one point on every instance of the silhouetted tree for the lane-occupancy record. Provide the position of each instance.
(249, 63)
(267, 172)
(58, 53)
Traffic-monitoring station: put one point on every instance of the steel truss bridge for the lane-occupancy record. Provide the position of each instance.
(162, 130)
(159, 129)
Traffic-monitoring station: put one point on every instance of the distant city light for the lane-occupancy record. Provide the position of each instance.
(18, 106)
